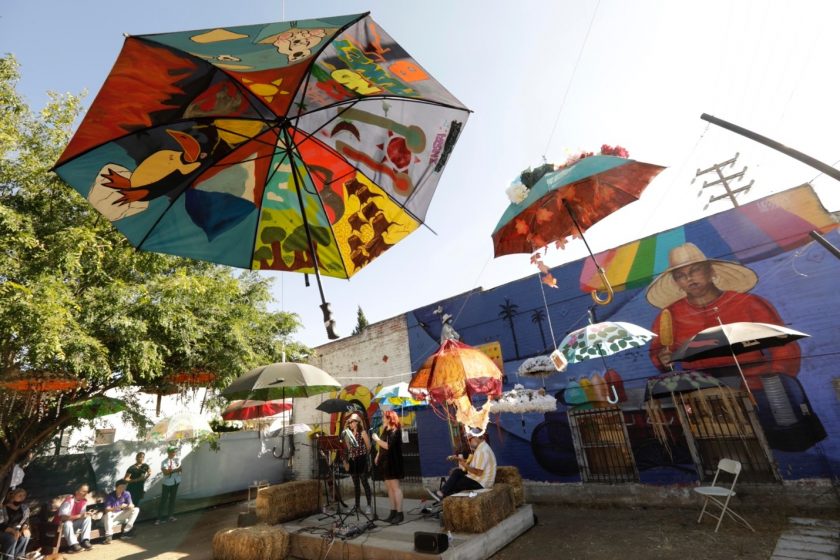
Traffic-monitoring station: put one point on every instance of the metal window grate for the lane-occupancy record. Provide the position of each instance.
(602, 445)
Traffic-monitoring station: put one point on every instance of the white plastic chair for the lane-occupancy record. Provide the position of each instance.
(715, 494)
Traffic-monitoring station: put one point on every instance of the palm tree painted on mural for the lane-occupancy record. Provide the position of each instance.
(538, 316)
(508, 312)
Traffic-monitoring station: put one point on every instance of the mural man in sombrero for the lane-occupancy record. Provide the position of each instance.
(696, 293)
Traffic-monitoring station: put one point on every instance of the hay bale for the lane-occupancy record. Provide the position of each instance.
(510, 475)
(478, 514)
(287, 501)
(259, 542)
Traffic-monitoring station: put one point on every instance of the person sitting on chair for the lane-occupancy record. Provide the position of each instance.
(357, 442)
(14, 524)
(119, 509)
(72, 516)
(474, 472)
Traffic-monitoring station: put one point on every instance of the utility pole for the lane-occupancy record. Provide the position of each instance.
(724, 180)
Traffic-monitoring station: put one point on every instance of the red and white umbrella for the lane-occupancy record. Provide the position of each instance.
(250, 409)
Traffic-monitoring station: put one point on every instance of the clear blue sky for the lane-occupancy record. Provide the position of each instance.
(646, 72)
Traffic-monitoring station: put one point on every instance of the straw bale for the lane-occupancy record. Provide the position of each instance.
(284, 502)
(259, 542)
(478, 514)
(511, 476)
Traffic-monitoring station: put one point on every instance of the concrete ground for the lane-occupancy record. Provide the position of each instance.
(568, 532)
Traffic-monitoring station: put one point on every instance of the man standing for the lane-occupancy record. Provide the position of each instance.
(72, 516)
(171, 469)
(119, 509)
(473, 473)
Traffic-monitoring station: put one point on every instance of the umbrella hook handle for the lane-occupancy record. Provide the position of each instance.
(613, 396)
(598, 299)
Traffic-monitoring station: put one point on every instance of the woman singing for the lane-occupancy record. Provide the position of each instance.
(389, 459)
(357, 442)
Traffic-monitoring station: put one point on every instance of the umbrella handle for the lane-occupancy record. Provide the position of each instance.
(614, 395)
(595, 297)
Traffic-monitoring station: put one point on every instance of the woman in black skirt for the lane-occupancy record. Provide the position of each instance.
(357, 444)
(390, 461)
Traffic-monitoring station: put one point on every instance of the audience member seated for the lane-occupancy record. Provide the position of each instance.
(119, 509)
(72, 515)
(14, 524)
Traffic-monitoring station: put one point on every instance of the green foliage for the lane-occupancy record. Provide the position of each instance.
(77, 300)
(361, 321)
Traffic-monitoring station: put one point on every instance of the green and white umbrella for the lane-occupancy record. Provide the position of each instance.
(597, 340)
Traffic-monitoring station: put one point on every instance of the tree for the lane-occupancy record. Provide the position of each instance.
(508, 312)
(77, 301)
(538, 316)
(361, 321)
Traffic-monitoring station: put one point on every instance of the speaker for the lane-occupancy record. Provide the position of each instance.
(433, 543)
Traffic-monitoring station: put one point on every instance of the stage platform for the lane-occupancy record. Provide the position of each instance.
(317, 538)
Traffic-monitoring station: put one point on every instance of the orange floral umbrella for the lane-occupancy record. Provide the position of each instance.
(192, 378)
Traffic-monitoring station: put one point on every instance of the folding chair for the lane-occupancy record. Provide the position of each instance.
(714, 494)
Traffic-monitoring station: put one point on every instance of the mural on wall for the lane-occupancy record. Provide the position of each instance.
(754, 263)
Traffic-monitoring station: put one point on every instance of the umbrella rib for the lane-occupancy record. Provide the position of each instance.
(310, 137)
(385, 97)
(292, 152)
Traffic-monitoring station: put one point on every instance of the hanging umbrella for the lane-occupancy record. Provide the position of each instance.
(281, 381)
(337, 406)
(729, 339)
(675, 382)
(538, 366)
(249, 409)
(310, 146)
(398, 396)
(190, 378)
(95, 407)
(279, 429)
(597, 340)
(556, 203)
(454, 371)
(183, 425)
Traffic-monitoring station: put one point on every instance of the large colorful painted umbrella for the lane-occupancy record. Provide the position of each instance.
(566, 201)
(749, 233)
(251, 409)
(310, 146)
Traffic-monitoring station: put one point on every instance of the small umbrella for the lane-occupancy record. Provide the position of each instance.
(183, 425)
(398, 396)
(734, 338)
(281, 381)
(95, 407)
(310, 146)
(597, 340)
(538, 366)
(565, 201)
(675, 382)
(277, 428)
(249, 409)
(336, 406)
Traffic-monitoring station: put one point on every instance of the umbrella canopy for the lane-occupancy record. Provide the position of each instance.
(250, 409)
(95, 407)
(597, 340)
(281, 381)
(454, 371)
(183, 425)
(734, 338)
(594, 187)
(397, 395)
(538, 366)
(674, 382)
(279, 429)
(310, 146)
(336, 406)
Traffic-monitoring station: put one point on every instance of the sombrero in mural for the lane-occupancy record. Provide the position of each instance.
(727, 276)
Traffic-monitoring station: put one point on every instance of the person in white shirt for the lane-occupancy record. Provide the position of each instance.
(171, 469)
(473, 473)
